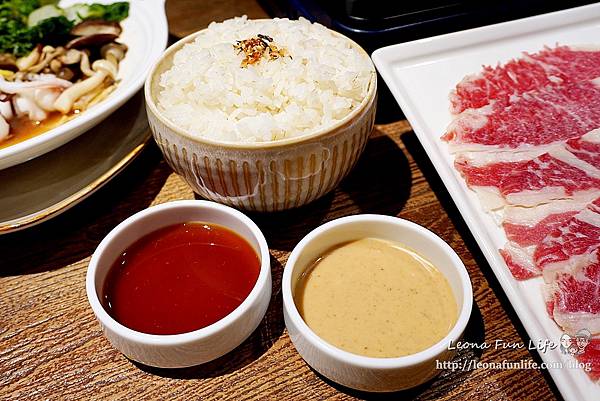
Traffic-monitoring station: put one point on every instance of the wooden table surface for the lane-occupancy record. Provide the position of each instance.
(51, 346)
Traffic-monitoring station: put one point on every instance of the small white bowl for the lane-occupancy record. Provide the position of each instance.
(369, 373)
(195, 347)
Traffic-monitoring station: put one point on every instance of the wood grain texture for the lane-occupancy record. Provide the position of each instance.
(51, 347)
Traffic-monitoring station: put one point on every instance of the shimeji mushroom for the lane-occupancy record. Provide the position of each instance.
(8, 62)
(74, 56)
(84, 66)
(48, 54)
(44, 59)
(60, 70)
(23, 63)
(112, 53)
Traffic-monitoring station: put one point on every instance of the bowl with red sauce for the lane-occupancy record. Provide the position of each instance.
(180, 284)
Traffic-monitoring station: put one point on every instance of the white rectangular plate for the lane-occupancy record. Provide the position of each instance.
(420, 75)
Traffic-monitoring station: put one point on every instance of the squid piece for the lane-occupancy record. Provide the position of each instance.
(46, 97)
(6, 110)
(41, 81)
(4, 128)
(25, 104)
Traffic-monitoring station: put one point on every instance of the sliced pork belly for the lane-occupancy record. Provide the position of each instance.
(548, 67)
(548, 115)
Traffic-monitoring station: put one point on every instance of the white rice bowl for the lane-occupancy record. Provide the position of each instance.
(321, 79)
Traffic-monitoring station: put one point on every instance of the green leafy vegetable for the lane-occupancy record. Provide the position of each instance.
(108, 12)
(15, 37)
(17, 10)
(112, 12)
(52, 31)
(20, 40)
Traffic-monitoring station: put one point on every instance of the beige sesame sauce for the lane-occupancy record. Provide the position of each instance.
(376, 298)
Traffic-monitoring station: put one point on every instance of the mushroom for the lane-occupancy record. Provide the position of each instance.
(84, 66)
(55, 66)
(102, 68)
(94, 33)
(48, 54)
(32, 58)
(72, 56)
(108, 67)
(65, 101)
(8, 62)
(114, 52)
(94, 96)
(96, 27)
(91, 40)
(65, 73)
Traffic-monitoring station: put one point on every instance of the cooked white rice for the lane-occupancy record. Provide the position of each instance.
(208, 93)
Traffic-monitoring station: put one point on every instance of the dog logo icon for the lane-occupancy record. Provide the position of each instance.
(575, 345)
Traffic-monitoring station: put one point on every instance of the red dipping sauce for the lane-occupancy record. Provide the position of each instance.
(180, 278)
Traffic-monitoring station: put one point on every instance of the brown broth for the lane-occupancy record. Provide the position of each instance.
(22, 128)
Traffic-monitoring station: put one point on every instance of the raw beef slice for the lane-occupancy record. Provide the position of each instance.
(571, 246)
(548, 67)
(550, 176)
(541, 117)
(527, 227)
(592, 356)
(573, 300)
